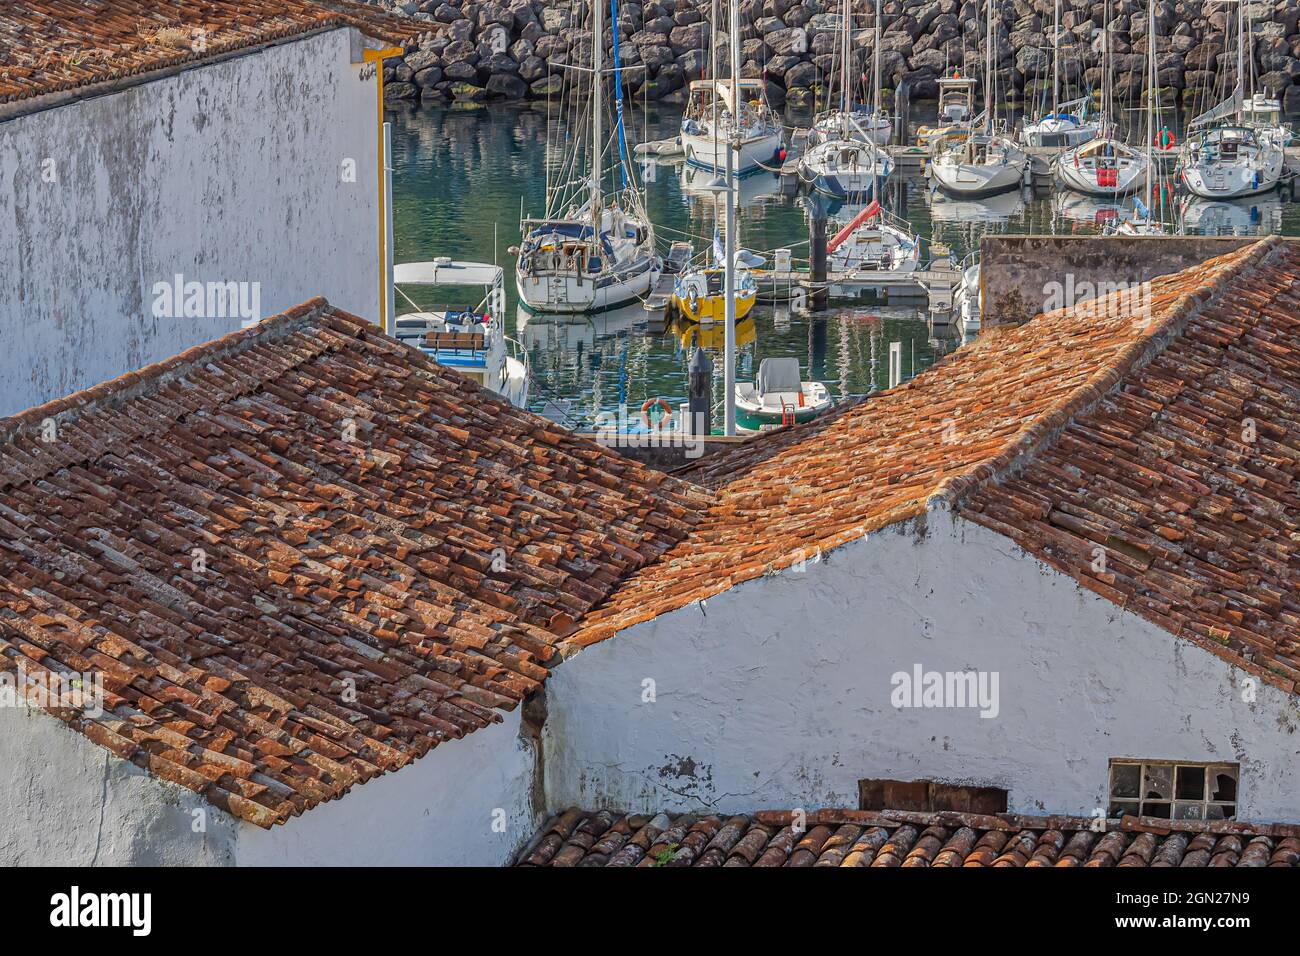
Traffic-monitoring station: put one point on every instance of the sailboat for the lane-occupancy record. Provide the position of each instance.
(1146, 222)
(700, 292)
(1067, 124)
(844, 158)
(591, 251)
(1104, 166)
(871, 123)
(1225, 160)
(734, 111)
(986, 163)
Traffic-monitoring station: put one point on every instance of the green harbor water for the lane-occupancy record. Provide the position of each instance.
(462, 176)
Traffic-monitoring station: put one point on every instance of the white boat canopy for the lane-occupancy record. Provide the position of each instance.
(722, 89)
(447, 272)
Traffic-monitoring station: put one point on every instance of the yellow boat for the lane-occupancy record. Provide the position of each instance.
(697, 294)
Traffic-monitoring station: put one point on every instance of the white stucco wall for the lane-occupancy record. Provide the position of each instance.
(438, 811)
(229, 172)
(777, 693)
(65, 801)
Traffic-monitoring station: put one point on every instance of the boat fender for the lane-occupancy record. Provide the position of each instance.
(693, 301)
(663, 418)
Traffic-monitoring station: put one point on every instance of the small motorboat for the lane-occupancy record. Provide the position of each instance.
(698, 294)
(778, 397)
(468, 336)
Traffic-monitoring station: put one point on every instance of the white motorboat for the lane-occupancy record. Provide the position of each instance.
(469, 335)
(591, 251)
(778, 396)
(956, 102)
(1263, 112)
(715, 115)
(968, 299)
(870, 243)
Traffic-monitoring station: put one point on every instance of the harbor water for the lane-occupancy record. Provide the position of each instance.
(463, 176)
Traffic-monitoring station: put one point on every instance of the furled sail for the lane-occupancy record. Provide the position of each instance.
(1225, 110)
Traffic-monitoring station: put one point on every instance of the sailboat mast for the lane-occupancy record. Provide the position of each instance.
(1056, 57)
(1151, 105)
(729, 197)
(845, 57)
(988, 69)
(597, 87)
(875, 67)
(1241, 50)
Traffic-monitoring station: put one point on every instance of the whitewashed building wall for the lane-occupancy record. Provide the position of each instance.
(777, 694)
(65, 801)
(232, 171)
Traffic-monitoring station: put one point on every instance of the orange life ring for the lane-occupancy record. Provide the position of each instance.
(663, 419)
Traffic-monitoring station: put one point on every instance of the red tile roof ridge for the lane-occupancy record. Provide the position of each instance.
(150, 378)
(900, 839)
(1044, 430)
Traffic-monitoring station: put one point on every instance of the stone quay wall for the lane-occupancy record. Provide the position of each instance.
(480, 50)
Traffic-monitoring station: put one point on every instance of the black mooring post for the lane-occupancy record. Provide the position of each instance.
(817, 256)
(700, 397)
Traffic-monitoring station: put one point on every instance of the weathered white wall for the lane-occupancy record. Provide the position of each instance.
(65, 801)
(226, 172)
(68, 802)
(438, 811)
(777, 693)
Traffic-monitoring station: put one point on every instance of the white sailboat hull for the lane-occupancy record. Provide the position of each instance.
(754, 153)
(1234, 180)
(567, 293)
(846, 168)
(973, 180)
(1084, 177)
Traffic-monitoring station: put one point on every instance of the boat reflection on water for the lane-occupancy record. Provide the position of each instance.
(1078, 209)
(945, 208)
(1256, 216)
(550, 332)
(712, 336)
(762, 187)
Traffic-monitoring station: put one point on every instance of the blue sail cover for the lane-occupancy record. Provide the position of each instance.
(618, 95)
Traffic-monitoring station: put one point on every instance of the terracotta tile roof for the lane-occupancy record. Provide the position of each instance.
(49, 46)
(1185, 476)
(899, 838)
(977, 414)
(334, 558)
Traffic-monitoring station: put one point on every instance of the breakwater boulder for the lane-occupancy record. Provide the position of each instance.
(480, 50)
